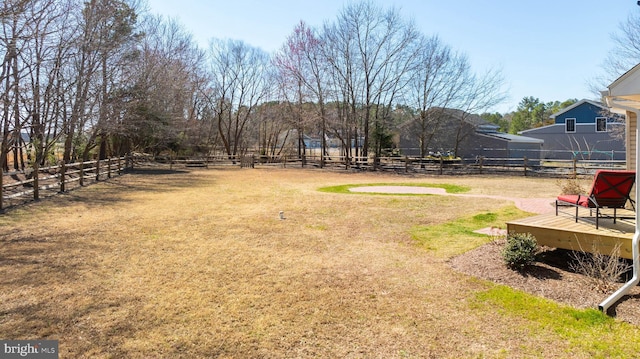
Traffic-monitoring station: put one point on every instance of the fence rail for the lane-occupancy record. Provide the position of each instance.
(20, 187)
(407, 164)
(23, 186)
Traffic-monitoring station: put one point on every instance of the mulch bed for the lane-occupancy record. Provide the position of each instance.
(550, 277)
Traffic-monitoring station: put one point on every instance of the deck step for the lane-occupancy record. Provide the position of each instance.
(562, 231)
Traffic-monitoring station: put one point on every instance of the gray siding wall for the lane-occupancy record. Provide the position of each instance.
(585, 143)
(489, 146)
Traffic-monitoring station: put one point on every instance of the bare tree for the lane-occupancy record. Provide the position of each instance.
(14, 33)
(274, 131)
(292, 76)
(437, 82)
(13, 29)
(301, 60)
(367, 48)
(165, 96)
(336, 50)
(35, 33)
(85, 65)
(44, 58)
(114, 43)
(239, 84)
(292, 89)
(478, 93)
(624, 55)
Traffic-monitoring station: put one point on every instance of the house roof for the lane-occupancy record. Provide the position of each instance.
(623, 93)
(488, 128)
(476, 121)
(624, 76)
(583, 101)
(514, 138)
(538, 129)
(470, 118)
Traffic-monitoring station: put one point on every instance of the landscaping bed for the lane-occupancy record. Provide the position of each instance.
(550, 277)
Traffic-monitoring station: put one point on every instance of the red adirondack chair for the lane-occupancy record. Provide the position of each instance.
(610, 189)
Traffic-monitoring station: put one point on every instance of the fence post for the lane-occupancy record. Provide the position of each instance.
(406, 164)
(36, 181)
(81, 180)
(441, 164)
(524, 161)
(613, 155)
(61, 171)
(481, 163)
(575, 167)
(98, 169)
(63, 179)
(1, 188)
(109, 167)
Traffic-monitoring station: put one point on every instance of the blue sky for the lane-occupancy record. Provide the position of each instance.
(545, 49)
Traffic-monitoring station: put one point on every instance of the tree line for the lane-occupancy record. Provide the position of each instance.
(94, 78)
(82, 79)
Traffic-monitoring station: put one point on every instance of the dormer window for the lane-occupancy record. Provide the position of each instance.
(570, 125)
(601, 124)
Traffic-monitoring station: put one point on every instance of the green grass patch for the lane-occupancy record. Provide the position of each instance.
(584, 329)
(456, 237)
(345, 188)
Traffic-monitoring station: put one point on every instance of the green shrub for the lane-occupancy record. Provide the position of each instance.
(520, 250)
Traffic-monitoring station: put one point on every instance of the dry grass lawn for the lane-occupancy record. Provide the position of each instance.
(198, 265)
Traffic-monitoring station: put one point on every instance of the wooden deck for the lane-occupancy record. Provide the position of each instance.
(562, 231)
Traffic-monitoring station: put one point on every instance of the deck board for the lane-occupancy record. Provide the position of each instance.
(562, 231)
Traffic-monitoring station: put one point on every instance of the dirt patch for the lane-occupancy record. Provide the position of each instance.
(532, 205)
(550, 277)
(399, 190)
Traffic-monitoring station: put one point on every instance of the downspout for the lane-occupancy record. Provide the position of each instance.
(604, 306)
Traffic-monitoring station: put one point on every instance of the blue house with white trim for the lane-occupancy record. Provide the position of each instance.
(586, 130)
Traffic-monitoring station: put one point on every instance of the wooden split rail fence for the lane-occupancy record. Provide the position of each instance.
(431, 165)
(19, 187)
